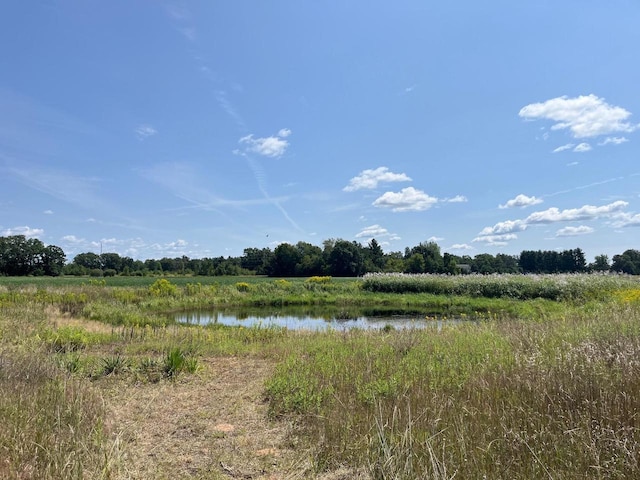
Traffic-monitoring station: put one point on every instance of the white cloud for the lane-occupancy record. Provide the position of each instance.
(460, 246)
(456, 199)
(145, 131)
(26, 231)
(521, 200)
(373, 231)
(627, 220)
(585, 116)
(508, 226)
(407, 199)
(48, 212)
(586, 212)
(582, 147)
(370, 179)
(273, 146)
(568, 146)
(496, 239)
(435, 239)
(574, 231)
(614, 141)
(73, 239)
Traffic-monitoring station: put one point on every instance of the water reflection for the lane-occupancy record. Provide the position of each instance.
(296, 318)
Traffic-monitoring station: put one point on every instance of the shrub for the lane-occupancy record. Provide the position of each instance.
(163, 288)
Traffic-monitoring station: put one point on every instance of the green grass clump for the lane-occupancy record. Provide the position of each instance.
(52, 426)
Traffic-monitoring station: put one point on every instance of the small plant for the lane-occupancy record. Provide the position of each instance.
(173, 362)
(243, 286)
(114, 365)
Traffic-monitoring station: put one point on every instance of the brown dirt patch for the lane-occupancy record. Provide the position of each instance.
(210, 425)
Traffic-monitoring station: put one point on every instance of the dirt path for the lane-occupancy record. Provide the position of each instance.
(209, 425)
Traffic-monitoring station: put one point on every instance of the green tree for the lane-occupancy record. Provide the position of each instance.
(346, 259)
(627, 262)
(430, 251)
(88, 260)
(374, 256)
(415, 264)
(285, 260)
(600, 264)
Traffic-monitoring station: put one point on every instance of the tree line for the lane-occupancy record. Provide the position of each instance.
(337, 257)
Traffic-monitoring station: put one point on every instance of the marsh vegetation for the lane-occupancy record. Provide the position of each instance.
(545, 384)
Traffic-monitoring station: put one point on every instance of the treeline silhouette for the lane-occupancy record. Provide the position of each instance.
(20, 256)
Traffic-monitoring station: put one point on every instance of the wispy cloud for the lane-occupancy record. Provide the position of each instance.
(79, 191)
(373, 231)
(456, 199)
(613, 141)
(273, 146)
(227, 106)
(460, 246)
(369, 179)
(23, 230)
(574, 231)
(585, 116)
(495, 239)
(627, 220)
(145, 131)
(582, 147)
(563, 148)
(521, 200)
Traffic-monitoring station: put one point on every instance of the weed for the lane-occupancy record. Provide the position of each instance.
(115, 365)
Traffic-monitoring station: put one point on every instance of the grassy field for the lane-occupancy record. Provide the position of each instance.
(97, 384)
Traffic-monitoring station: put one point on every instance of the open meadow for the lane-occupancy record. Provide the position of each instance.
(543, 381)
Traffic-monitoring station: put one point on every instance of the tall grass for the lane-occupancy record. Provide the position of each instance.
(52, 425)
(523, 287)
(512, 400)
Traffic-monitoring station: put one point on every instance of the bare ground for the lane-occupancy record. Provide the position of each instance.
(211, 425)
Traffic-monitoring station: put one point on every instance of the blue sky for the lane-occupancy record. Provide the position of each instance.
(153, 128)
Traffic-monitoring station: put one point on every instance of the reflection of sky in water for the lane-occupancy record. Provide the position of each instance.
(308, 322)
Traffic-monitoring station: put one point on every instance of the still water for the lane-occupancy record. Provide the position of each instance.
(296, 318)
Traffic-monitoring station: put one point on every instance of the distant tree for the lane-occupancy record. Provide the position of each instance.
(600, 264)
(449, 264)
(394, 262)
(111, 261)
(284, 262)
(53, 260)
(311, 260)
(257, 260)
(627, 262)
(375, 260)
(415, 264)
(484, 263)
(88, 260)
(430, 251)
(346, 259)
(22, 256)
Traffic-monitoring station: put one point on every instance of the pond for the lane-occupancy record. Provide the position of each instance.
(317, 318)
